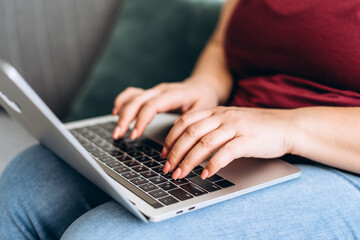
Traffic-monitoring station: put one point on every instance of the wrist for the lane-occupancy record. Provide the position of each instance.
(212, 85)
(295, 136)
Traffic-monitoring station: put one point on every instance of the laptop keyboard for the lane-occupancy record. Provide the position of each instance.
(137, 165)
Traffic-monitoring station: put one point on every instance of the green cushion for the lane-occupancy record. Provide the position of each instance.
(153, 41)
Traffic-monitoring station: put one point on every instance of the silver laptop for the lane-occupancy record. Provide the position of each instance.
(131, 171)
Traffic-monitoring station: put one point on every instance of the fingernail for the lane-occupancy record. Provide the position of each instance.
(116, 133)
(164, 152)
(133, 134)
(176, 173)
(167, 167)
(204, 174)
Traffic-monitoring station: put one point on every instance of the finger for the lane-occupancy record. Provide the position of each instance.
(236, 148)
(184, 121)
(162, 103)
(196, 107)
(204, 148)
(129, 111)
(124, 97)
(189, 138)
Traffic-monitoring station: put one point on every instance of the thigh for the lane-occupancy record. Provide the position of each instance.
(41, 196)
(323, 204)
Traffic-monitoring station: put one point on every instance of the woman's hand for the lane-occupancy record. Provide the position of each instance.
(143, 105)
(231, 132)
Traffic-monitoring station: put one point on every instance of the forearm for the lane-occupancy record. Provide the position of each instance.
(211, 69)
(329, 135)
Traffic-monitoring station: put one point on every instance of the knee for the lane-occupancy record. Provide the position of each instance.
(40, 193)
(22, 171)
(18, 189)
(107, 221)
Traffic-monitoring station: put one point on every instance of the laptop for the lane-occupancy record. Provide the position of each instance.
(131, 171)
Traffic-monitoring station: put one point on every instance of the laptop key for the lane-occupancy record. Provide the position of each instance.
(198, 167)
(123, 146)
(84, 132)
(151, 152)
(108, 138)
(123, 158)
(180, 194)
(131, 163)
(168, 200)
(130, 175)
(140, 168)
(167, 186)
(106, 135)
(134, 153)
(224, 183)
(191, 174)
(98, 153)
(81, 131)
(142, 147)
(215, 178)
(143, 158)
(114, 164)
(167, 176)
(89, 147)
(158, 193)
(139, 180)
(122, 169)
(83, 142)
(134, 189)
(106, 159)
(159, 158)
(100, 142)
(193, 189)
(151, 143)
(151, 164)
(109, 148)
(96, 129)
(198, 171)
(162, 161)
(148, 174)
(179, 181)
(148, 187)
(110, 126)
(120, 143)
(157, 179)
(91, 136)
(158, 169)
(115, 153)
(205, 184)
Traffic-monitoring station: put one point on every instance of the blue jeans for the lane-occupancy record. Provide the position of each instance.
(41, 197)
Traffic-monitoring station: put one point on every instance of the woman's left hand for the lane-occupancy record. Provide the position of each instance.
(231, 132)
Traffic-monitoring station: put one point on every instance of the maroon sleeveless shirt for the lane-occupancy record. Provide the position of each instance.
(294, 53)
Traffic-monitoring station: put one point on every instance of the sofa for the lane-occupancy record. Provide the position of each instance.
(61, 48)
(53, 44)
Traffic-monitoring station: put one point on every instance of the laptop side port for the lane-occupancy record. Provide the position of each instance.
(191, 208)
(179, 212)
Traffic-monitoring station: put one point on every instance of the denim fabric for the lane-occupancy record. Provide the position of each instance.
(41, 197)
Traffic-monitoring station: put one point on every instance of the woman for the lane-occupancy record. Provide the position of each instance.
(289, 70)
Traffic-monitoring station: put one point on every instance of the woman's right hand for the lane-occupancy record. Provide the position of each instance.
(143, 105)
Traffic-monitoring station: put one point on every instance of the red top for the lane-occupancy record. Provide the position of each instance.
(295, 53)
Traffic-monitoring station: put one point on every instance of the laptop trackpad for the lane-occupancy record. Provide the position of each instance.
(248, 172)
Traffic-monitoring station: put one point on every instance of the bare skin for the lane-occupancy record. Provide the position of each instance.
(328, 135)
